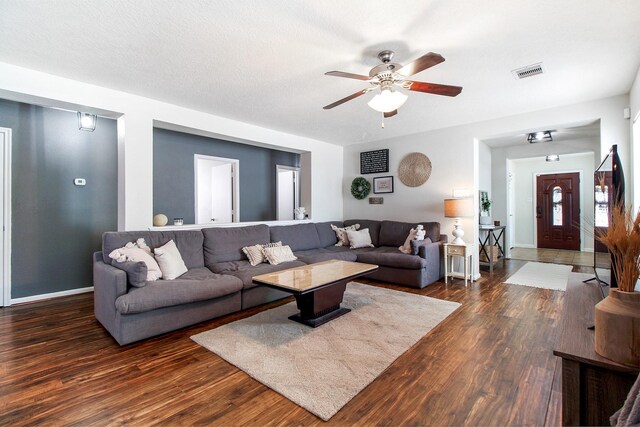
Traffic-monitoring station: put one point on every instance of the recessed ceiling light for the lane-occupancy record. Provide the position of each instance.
(540, 136)
(553, 158)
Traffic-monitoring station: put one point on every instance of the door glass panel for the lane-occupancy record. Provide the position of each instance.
(556, 198)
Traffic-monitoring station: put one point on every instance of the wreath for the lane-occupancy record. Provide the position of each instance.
(360, 188)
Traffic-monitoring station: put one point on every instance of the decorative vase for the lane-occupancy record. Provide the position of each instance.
(160, 220)
(617, 332)
(485, 220)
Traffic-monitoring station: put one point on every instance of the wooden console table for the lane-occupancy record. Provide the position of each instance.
(493, 241)
(593, 387)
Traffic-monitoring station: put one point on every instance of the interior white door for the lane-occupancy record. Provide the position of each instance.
(216, 190)
(221, 193)
(4, 295)
(287, 192)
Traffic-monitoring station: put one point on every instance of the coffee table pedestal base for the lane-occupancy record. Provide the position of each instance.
(320, 306)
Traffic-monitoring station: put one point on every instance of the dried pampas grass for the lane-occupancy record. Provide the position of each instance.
(622, 238)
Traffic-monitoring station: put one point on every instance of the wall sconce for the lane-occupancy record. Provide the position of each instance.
(87, 121)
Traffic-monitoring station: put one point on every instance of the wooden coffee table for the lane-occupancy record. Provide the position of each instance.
(318, 288)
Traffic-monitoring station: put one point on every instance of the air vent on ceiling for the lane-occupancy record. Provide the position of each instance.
(528, 71)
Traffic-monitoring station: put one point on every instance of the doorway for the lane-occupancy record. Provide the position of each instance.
(217, 189)
(558, 211)
(5, 217)
(287, 192)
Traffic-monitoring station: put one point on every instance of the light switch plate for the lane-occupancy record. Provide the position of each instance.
(80, 181)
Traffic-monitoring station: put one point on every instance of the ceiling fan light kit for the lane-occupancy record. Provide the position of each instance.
(388, 74)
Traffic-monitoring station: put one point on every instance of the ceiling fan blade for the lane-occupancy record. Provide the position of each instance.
(421, 64)
(343, 100)
(433, 88)
(347, 75)
(390, 114)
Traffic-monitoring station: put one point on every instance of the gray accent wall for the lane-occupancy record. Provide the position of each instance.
(173, 174)
(56, 226)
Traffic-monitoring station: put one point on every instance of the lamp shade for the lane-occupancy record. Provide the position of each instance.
(387, 101)
(458, 208)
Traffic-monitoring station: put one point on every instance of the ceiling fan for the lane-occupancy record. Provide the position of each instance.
(388, 74)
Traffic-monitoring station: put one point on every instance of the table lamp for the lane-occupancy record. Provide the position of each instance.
(458, 208)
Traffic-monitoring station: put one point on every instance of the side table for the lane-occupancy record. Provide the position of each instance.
(466, 252)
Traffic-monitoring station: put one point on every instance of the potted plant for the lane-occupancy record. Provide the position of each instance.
(485, 208)
(617, 320)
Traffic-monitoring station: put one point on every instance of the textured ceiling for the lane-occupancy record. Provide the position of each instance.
(262, 62)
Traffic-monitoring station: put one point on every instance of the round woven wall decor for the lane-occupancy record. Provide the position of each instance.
(414, 170)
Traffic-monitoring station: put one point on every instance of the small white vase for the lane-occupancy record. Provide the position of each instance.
(300, 216)
(485, 220)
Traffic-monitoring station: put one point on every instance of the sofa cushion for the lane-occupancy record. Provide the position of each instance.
(188, 242)
(326, 235)
(371, 224)
(386, 256)
(244, 271)
(225, 244)
(299, 237)
(394, 233)
(195, 285)
(326, 254)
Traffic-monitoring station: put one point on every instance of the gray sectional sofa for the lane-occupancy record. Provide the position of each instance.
(219, 276)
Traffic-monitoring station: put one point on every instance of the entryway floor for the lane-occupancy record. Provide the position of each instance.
(555, 256)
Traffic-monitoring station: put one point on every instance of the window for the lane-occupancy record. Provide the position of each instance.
(556, 198)
(601, 197)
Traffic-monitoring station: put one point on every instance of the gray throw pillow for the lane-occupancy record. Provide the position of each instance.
(136, 272)
(415, 245)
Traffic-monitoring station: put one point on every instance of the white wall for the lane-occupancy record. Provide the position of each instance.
(136, 117)
(524, 175)
(454, 153)
(485, 168)
(634, 104)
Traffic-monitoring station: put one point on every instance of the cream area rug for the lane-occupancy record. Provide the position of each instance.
(322, 369)
(542, 275)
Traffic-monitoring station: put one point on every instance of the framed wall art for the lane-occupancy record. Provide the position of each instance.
(383, 184)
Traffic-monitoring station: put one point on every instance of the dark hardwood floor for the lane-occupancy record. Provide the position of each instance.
(489, 363)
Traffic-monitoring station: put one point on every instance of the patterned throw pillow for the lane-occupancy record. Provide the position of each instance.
(341, 234)
(255, 253)
(279, 254)
(137, 252)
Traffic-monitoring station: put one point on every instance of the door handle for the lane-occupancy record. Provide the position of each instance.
(539, 212)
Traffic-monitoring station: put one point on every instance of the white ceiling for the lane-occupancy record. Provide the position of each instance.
(262, 62)
(578, 132)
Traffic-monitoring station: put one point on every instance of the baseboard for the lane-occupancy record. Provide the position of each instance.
(524, 245)
(41, 297)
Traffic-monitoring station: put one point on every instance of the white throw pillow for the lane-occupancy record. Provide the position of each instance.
(138, 252)
(279, 254)
(359, 238)
(406, 248)
(170, 261)
(255, 253)
(341, 234)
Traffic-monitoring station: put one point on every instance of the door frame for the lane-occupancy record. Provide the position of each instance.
(580, 192)
(6, 223)
(296, 191)
(235, 192)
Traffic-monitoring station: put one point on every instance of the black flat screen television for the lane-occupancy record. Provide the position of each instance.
(608, 189)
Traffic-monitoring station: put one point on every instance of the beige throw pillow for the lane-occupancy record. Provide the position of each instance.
(341, 234)
(254, 253)
(359, 239)
(279, 254)
(138, 252)
(170, 261)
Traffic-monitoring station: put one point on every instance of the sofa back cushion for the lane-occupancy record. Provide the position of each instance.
(188, 242)
(326, 234)
(371, 224)
(299, 237)
(394, 233)
(222, 244)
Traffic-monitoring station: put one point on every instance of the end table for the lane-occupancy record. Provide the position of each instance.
(465, 251)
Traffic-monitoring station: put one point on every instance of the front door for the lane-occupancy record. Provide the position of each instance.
(558, 211)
